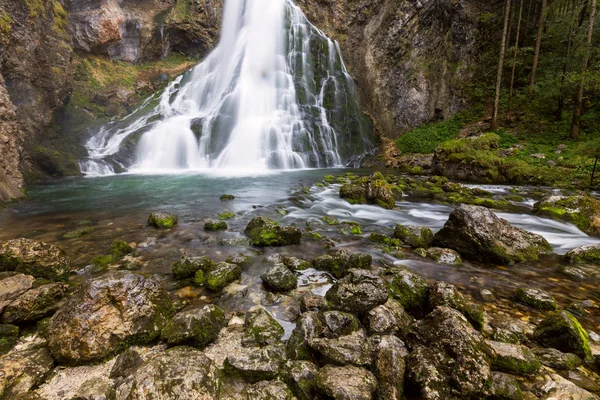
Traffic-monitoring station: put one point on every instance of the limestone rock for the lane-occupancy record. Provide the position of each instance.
(584, 254)
(221, 275)
(346, 383)
(13, 285)
(389, 318)
(536, 298)
(35, 303)
(260, 328)
(279, 279)
(357, 292)
(35, 258)
(446, 294)
(162, 220)
(562, 331)
(414, 236)
(408, 288)
(196, 327)
(444, 256)
(513, 358)
(264, 231)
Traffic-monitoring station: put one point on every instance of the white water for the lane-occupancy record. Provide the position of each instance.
(274, 94)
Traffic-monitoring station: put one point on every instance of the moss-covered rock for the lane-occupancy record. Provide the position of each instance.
(75, 233)
(268, 390)
(446, 294)
(213, 225)
(330, 220)
(240, 259)
(557, 359)
(505, 387)
(261, 328)
(582, 210)
(414, 236)
(255, 365)
(513, 358)
(279, 279)
(35, 258)
(221, 275)
(584, 254)
(339, 262)
(409, 289)
(389, 319)
(197, 327)
(562, 331)
(162, 220)
(346, 383)
(369, 190)
(357, 292)
(227, 197)
(536, 298)
(226, 215)
(187, 267)
(295, 264)
(300, 376)
(444, 256)
(264, 231)
(35, 304)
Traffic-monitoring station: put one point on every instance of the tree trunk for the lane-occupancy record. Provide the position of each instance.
(512, 75)
(593, 172)
(561, 95)
(538, 45)
(494, 123)
(575, 125)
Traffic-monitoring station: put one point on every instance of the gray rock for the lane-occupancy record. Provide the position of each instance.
(346, 383)
(295, 264)
(188, 266)
(478, 234)
(126, 364)
(536, 298)
(414, 236)
(513, 358)
(107, 312)
(255, 365)
(408, 288)
(177, 373)
(446, 294)
(162, 220)
(389, 318)
(269, 390)
(35, 304)
(260, 328)
(557, 359)
(562, 331)
(337, 323)
(341, 261)
(505, 387)
(584, 254)
(221, 275)
(279, 279)
(312, 302)
(308, 327)
(444, 256)
(23, 368)
(351, 349)
(212, 225)
(240, 259)
(357, 292)
(35, 258)
(300, 376)
(388, 360)
(12, 286)
(197, 327)
(553, 386)
(448, 357)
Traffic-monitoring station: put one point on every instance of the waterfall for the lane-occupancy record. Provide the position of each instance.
(273, 94)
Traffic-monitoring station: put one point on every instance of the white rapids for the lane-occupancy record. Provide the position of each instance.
(273, 94)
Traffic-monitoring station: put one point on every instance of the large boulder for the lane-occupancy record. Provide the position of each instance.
(107, 313)
(478, 234)
(562, 331)
(263, 231)
(357, 292)
(346, 383)
(35, 258)
(582, 210)
(408, 288)
(255, 365)
(35, 303)
(196, 327)
(177, 373)
(448, 358)
(369, 190)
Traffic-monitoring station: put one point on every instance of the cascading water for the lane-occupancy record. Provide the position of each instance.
(274, 94)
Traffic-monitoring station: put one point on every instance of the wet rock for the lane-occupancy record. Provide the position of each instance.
(414, 236)
(215, 225)
(448, 357)
(35, 303)
(341, 261)
(226, 197)
(239, 259)
(12, 286)
(300, 376)
(536, 298)
(188, 266)
(557, 359)
(269, 390)
(126, 364)
(513, 358)
(337, 323)
(260, 328)
(388, 361)
(505, 387)
(197, 327)
(369, 190)
(177, 373)
(162, 220)
(357, 292)
(295, 264)
(106, 313)
(329, 220)
(279, 279)
(312, 302)
(446, 294)
(583, 378)
(575, 273)
(35, 258)
(350, 349)
(221, 275)
(444, 256)
(255, 365)
(24, 368)
(562, 331)
(421, 252)
(346, 383)
(478, 234)
(582, 210)
(389, 318)
(584, 254)
(554, 386)
(308, 327)
(487, 295)
(263, 231)
(409, 289)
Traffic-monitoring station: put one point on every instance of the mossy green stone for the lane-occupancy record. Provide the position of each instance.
(75, 233)
(221, 275)
(226, 215)
(162, 221)
(213, 226)
(188, 266)
(409, 289)
(562, 331)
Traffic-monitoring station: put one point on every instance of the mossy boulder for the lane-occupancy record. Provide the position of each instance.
(346, 383)
(296, 264)
(357, 292)
(557, 359)
(584, 254)
(351, 349)
(279, 279)
(187, 267)
(162, 220)
(369, 190)
(341, 261)
(478, 234)
(330, 220)
(239, 259)
(408, 288)
(562, 331)
(513, 358)
(446, 294)
(264, 231)
(261, 328)
(414, 236)
(536, 298)
(389, 319)
(582, 210)
(35, 258)
(221, 275)
(35, 304)
(300, 376)
(227, 197)
(213, 225)
(444, 256)
(197, 327)
(255, 365)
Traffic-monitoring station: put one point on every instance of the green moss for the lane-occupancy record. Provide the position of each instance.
(330, 220)
(563, 331)
(36, 8)
(409, 289)
(119, 249)
(355, 230)
(226, 215)
(75, 233)
(530, 365)
(227, 197)
(54, 162)
(162, 221)
(213, 226)
(101, 262)
(5, 25)
(199, 278)
(60, 22)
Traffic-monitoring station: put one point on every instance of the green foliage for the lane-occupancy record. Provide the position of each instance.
(426, 138)
(5, 24)
(60, 21)
(36, 8)
(226, 215)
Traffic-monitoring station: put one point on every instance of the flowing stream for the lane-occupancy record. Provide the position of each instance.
(273, 94)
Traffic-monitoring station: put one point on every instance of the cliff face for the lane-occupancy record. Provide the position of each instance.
(409, 58)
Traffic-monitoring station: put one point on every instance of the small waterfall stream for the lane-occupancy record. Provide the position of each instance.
(274, 94)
